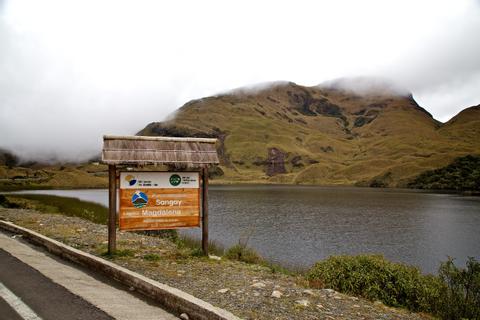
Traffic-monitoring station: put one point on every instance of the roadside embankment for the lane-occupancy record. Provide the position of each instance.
(249, 291)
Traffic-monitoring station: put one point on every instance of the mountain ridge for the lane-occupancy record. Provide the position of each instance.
(288, 133)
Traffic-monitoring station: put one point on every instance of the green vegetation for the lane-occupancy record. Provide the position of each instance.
(61, 205)
(243, 253)
(195, 245)
(322, 136)
(37, 176)
(461, 294)
(4, 202)
(119, 253)
(151, 257)
(454, 294)
(462, 174)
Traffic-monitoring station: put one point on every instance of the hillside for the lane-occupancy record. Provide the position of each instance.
(331, 134)
(461, 174)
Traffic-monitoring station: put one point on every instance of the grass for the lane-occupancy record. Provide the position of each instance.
(61, 205)
(401, 140)
(119, 253)
(195, 245)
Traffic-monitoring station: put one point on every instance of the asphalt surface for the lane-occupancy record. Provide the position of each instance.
(6, 312)
(46, 298)
(36, 285)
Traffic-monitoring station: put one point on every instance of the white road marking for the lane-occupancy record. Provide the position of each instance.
(119, 304)
(17, 304)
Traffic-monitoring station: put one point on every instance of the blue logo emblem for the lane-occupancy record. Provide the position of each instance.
(131, 180)
(139, 199)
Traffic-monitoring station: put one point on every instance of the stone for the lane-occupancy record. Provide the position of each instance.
(356, 306)
(256, 294)
(320, 306)
(329, 291)
(212, 257)
(309, 292)
(303, 302)
(184, 316)
(276, 294)
(258, 285)
(225, 290)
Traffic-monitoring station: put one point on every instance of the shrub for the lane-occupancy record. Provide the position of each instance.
(461, 295)
(462, 174)
(243, 253)
(151, 257)
(375, 278)
(7, 204)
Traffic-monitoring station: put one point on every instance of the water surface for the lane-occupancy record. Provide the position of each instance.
(298, 225)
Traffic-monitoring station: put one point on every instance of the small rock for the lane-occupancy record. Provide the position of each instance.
(276, 294)
(214, 257)
(309, 292)
(181, 271)
(225, 290)
(258, 285)
(131, 289)
(256, 294)
(377, 303)
(337, 297)
(329, 291)
(356, 306)
(303, 302)
(184, 316)
(354, 298)
(320, 306)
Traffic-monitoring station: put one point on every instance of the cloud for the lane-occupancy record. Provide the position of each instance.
(72, 71)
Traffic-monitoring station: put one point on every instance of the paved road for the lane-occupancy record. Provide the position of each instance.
(36, 286)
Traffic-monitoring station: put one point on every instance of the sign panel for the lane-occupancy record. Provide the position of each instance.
(159, 200)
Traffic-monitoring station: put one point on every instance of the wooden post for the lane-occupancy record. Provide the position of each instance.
(205, 211)
(112, 209)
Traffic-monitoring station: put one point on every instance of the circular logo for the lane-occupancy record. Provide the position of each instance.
(131, 179)
(175, 180)
(139, 199)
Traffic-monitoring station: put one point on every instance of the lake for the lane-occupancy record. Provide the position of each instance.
(297, 225)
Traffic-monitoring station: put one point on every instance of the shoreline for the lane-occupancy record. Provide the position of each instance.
(247, 290)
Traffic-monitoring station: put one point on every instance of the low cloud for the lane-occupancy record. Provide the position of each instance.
(73, 71)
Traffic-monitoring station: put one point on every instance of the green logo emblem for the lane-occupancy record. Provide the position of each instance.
(175, 180)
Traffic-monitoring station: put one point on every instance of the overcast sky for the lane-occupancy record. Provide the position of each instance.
(71, 71)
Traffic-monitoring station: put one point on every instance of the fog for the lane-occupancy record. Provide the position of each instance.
(71, 71)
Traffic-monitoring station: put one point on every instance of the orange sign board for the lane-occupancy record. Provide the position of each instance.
(159, 200)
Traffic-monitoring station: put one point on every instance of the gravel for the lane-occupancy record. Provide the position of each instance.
(248, 291)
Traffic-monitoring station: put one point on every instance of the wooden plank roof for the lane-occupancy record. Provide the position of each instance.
(143, 150)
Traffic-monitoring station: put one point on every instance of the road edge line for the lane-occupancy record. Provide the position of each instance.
(172, 299)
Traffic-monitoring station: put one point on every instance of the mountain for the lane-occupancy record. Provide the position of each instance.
(346, 132)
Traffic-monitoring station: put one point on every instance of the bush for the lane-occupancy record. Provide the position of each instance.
(7, 204)
(375, 278)
(242, 253)
(462, 174)
(461, 295)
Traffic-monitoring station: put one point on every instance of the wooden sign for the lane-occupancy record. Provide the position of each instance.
(159, 200)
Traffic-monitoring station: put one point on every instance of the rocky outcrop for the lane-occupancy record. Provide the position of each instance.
(275, 162)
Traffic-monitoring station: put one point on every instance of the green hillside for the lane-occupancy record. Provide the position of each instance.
(461, 174)
(286, 133)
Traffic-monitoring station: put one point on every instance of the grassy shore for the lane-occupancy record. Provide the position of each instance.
(370, 277)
